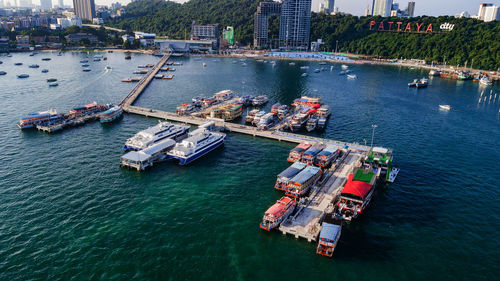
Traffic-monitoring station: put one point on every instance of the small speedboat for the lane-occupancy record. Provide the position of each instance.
(45, 70)
(304, 74)
(46, 59)
(108, 67)
(34, 66)
(53, 84)
(445, 107)
(18, 63)
(23, 76)
(86, 69)
(84, 61)
(3, 72)
(352, 76)
(51, 80)
(85, 65)
(317, 70)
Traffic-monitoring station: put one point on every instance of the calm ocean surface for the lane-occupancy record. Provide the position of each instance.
(69, 212)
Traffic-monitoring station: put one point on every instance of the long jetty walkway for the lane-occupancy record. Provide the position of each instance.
(130, 98)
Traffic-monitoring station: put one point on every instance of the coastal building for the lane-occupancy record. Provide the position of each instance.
(229, 35)
(60, 4)
(489, 13)
(463, 14)
(186, 46)
(46, 5)
(67, 22)
(381, 8)
(295, 24)
(410, 10)
(327, 6)
(85, 9)
(260, 34)
(128, 38)
(204, 32)
(22, 42)
(146, 39)
(77, 37)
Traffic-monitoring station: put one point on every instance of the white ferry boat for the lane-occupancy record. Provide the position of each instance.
(154, 134)
(200, 142)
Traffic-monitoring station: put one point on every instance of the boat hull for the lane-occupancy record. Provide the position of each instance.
(206, 150)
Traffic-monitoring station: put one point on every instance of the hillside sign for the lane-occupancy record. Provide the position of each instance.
(417, 27)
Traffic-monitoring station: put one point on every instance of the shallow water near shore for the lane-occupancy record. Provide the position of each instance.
(68, 211)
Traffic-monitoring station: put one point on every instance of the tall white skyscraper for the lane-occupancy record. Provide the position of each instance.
(61, 3)
(85, 9)
(381, 8)
(1, 4)
(491, 13)
(46, 4)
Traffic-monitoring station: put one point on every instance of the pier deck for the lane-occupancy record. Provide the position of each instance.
(242, 129)
(143, 83)
(306, 223)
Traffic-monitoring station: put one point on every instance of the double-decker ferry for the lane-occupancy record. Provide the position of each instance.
(33, 119)
(155, 134)
(200, 142)
(111, 114)
(326, 156)
(356, 193)
(224, 95)
(300, 184)
(275, 108)
(299, 120)
(308, 101)
(277, 213)
(86, 109)
(260, 100)
(296, 153)
(284, 177)
(380, 159)
(310, 154)
(331, 228)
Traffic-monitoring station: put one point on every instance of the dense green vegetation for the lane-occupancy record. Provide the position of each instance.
(470, 40)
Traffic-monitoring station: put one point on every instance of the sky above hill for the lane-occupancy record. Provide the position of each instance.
(358, 7)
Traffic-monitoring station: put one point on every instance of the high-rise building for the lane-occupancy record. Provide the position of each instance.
(381, 8)
(482, 10)
(46, 4)
(327, 6)
(491, 13)
(61, 3)
(260, 32)
(410, 10)
(85, 9)
(295, 24)
(1, 4)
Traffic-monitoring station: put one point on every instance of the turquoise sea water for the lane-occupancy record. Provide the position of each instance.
(69, 212)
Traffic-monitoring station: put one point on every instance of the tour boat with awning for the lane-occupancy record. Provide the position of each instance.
(296, 153)
(300, 184)
(310, 154)
(331, 229)
(326, 156)
(277, 213)
(284, 177)
(356, 193)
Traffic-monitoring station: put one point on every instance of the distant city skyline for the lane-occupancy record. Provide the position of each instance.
(358, 7)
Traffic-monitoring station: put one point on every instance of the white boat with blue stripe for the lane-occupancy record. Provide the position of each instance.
(200, 142)
(155, 134)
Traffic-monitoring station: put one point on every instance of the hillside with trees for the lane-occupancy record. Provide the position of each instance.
(470, 40)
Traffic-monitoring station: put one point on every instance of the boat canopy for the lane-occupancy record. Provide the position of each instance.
(303, 146)
(306, 174)
(311, 111)
(165, 144)
(357, 188)
(327, 151)
(329, 232)
(292, 170)
(135, 156)
(313, 150)
(276, 209)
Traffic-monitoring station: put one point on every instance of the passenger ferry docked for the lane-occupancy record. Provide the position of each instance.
(33, 119)
(111, 114)
(200, 142)
(327, 156)
(296, 153)
(310, 154)
(277, 213)
(356, 193)
(329, 236)
(301, 183)
(284, 177)
(154, 134)
(87, 109)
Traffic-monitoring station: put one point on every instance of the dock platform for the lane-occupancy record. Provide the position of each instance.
(306, 222)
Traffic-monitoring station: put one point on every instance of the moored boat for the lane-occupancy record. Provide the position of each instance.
(326, 156)
(422, 83)
(310, 154)
(152, 135)
(51, 80)
(260, 100)
(444, 107)
(23, 76)
(331, 229)
(414, 83)
(34, 66)
(112, 114)
(45, 70)
(485, 81)
(199, 143)
(296, 153)
(283, 178)
(277, 213)
(266, 121)
(33, 119)
(275, 108)
(312, 123)
(434, 72)
(300, 184)
(251, 115)
(53, 84)
(356, 193)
